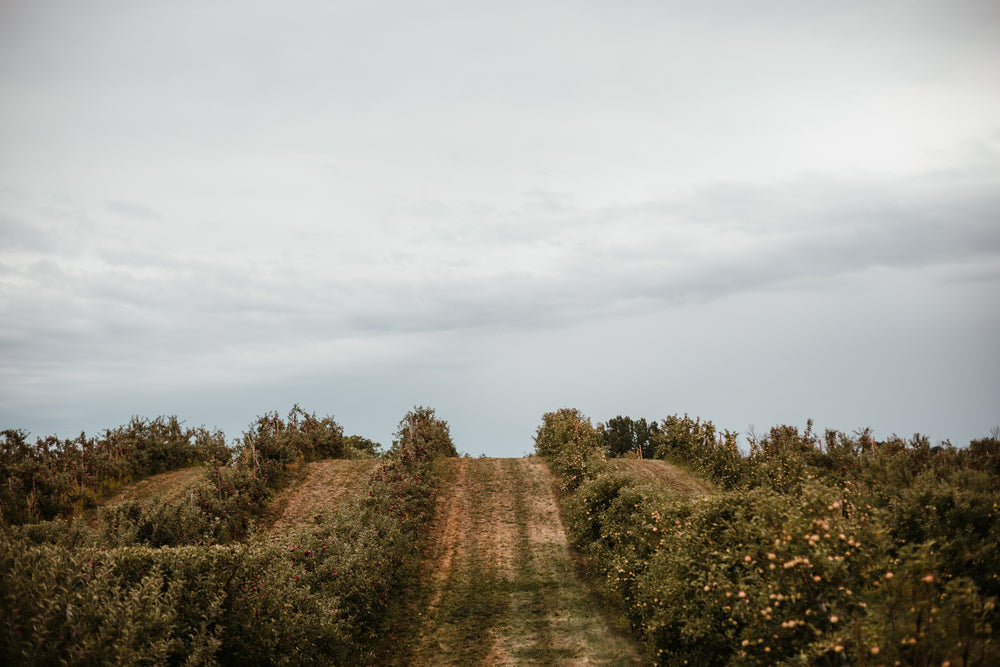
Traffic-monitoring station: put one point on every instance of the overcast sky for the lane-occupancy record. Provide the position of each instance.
(754, 213)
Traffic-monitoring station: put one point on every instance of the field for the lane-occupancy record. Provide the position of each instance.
(616, 544)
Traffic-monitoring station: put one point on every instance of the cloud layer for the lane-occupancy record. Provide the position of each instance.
(375, 205)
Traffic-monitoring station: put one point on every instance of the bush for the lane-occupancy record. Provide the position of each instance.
(420, 433)
(803, 561)
(571, 445)
(271, 443)
(694, 444)
(321, 596)
(62, 477)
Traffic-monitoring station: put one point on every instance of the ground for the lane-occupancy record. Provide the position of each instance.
(498, 584)
(661, 472)
(314, 488)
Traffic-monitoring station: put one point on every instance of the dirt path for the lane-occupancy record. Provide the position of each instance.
(168, 486)
(313, 489)
(500, 584)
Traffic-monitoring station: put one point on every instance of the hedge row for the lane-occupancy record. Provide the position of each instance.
(61, 477)
(797, 567)
(321, 596)
(223, 505)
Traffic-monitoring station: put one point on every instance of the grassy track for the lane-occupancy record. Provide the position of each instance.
(662, 473)
(165, 487)
(312, 488)
(499, 582)
(315, 488)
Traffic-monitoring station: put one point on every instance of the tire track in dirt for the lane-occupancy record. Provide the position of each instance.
(315, 488)
(500, 582)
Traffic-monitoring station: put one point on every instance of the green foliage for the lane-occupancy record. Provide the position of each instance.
(271, 443)
(694, 444)
(321, 596)
(420, 433)
(624, 435)
(362, 447)
(571, 444)
(849, 551)
(62, 477)
(220, 509)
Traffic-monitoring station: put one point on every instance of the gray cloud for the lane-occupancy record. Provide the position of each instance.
(17, 235)
(133, 209)
(778, 233)
(361, 200)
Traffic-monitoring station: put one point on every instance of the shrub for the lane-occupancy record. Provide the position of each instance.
(571, 445)
(420, 433)
(62, 477)
(271, 443)
(805, 560)
(323, 595)
(692, 443)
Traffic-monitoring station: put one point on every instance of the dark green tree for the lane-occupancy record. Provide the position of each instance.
(624, 435)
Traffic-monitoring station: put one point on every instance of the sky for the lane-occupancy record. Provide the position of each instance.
(753, 213)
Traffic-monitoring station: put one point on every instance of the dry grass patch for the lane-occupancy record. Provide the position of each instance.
(500, 585)
(313, 489)
(167, 487)
(655, 471)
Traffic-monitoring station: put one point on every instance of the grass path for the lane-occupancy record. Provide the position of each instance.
(313, 489)
(655, 471)
(499, 581)
(165, 487)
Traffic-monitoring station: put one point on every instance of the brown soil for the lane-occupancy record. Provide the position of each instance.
(314, 489)
(656, 471)
(500, 584)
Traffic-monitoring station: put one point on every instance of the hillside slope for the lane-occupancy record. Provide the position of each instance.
(164, 487)
(498, 583)
(167, 486)
(659, 472)
(314, 488)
